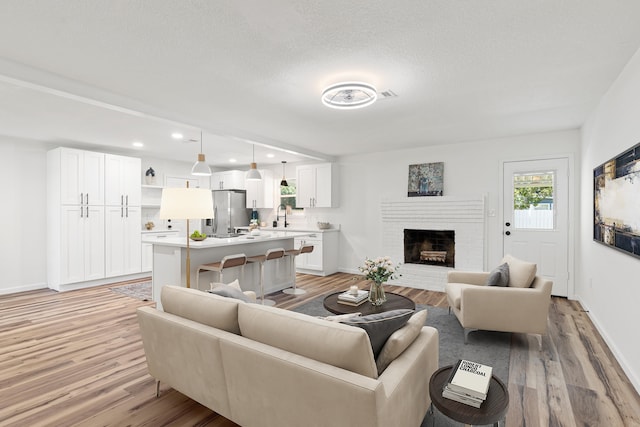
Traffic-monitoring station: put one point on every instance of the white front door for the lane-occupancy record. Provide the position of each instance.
(536, 217)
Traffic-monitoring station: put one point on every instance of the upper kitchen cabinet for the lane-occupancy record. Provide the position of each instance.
(260, 193)
(228, 180)
(122, 183)
(317, 186)
(79, 175)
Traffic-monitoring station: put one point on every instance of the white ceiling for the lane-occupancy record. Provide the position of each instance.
(106, 73)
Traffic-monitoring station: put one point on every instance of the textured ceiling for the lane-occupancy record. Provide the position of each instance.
(107, 72)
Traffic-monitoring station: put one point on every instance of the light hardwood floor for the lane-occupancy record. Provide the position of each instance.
(76, 358)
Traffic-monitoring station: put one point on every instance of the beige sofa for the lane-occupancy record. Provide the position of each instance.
(264, 366)
(494, 308)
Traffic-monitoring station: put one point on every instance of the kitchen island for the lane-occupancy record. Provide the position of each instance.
(170, 254)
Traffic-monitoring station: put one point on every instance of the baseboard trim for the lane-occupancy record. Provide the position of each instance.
(635, 381)
(23, 288)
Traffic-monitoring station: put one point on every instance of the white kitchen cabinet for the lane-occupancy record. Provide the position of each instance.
(122, 180)
(80, 176)
(148, 237)
(323, 261)
(77, 236)
(317, 186)
(260, 193)
(123, 244)
(80, 254)
(228, 180)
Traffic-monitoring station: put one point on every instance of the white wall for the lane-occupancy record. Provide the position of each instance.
(23, 169)
(608, 284)
(470, 169)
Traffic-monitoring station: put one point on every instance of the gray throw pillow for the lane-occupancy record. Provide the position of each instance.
(380, 326)
(499, 276)
(229, 292)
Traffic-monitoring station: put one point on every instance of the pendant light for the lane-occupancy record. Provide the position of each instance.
(253, 174)
(201, 168)
(283, 183)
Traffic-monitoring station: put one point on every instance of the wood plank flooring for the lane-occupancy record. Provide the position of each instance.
(76, 359)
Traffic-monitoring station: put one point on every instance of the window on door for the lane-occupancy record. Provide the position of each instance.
(533, 195)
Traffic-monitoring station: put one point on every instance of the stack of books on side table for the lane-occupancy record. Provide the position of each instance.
(349, 298)
(468, 383)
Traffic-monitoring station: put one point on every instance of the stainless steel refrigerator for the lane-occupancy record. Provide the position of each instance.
(229, 211)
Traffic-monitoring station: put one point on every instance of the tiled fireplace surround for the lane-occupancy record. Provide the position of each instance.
(464, 215)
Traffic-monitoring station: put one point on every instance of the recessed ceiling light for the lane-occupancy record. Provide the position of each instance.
(177, 135)
(232, 160)
(138, 144)
(271, 155)
(349, 95)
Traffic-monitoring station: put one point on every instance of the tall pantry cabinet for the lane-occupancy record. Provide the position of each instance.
(123, 216)
(77, 250)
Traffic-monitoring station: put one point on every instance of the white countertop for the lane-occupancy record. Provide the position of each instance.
(214, 242)
(309, 229)
(159, 230)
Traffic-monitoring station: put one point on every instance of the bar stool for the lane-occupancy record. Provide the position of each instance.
(238, 260)
(293, 253)
(271, 254)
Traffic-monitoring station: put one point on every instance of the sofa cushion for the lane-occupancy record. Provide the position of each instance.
(201, 307)
(327, 342)
(380, 326)
(499, 276)
(521, 273)
(400, 340)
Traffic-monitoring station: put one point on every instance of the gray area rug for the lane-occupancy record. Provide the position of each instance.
(141, 290)
(486, 347)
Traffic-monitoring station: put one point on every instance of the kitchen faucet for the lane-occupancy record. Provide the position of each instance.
(285, 214)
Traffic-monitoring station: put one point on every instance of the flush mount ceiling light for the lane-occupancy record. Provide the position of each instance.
(201, 168)
(253, 174)
(349, 95)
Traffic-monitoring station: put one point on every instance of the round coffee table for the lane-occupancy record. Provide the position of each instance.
(394, 302)
(492, 410)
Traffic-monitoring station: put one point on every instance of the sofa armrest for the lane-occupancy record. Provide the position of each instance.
(493, 308)
(408, 375)
(470, 277)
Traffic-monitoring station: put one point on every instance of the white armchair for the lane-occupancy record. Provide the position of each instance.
(494, 308)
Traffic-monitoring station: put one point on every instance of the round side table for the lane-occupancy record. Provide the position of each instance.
(492, 410)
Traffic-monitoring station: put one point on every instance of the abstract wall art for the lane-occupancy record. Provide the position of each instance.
(425, 179)
(616, 202)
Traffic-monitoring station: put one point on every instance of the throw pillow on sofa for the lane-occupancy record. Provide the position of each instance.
(521, 273)
(400, 340)
(380, 326)
(340, 317)
(499, 276)
(232, 290)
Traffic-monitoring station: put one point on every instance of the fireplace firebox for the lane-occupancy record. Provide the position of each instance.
(429, 247)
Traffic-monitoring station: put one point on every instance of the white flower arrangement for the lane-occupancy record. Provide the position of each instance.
(380, 269)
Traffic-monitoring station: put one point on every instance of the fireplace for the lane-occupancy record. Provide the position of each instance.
(429, 247)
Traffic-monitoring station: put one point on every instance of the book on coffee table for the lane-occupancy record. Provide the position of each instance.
(348, 297)
(470, 378)
(353, 304)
